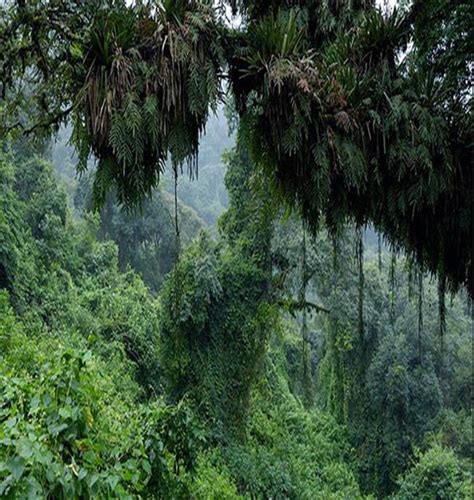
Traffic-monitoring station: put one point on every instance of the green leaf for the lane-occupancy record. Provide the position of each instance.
(65, 412)
(16, 467)
(55, 429)
(24, 448)
(113, 481)
(87, 357)
(82, 473)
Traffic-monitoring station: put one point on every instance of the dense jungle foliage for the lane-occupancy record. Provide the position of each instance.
(244, 374)
(294, 320)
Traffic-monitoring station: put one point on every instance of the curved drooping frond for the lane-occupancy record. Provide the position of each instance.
(358, 129)
(152, 74)
(138, 81)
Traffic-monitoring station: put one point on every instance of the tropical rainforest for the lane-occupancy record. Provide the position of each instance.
(236, 249)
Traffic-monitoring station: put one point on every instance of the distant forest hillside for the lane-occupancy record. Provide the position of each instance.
(205, 193)
(146, 236)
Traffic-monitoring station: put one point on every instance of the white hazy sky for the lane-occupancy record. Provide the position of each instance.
(383, 3)
(386, 5)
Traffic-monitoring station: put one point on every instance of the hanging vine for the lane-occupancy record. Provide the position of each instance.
(442, 314)
(177, 275)
(410, 277)
(420, 311)
(306, 375)
(176, 217)
(393, 265)
(379, 251)
(360, 264)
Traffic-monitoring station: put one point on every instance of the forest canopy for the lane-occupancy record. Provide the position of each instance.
(292, 319)
(354, 114)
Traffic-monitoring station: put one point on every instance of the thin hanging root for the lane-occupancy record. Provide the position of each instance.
(420, 311)
(442, 312)
(410, 278)
(176, 220)
(304, 325)
(393, 264)
(379, 251)
(360, 262)
(177, 279)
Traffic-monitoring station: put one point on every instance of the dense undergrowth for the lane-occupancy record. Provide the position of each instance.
(108, 390)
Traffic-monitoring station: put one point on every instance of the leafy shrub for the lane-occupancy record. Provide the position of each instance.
(437, 474)
(212, 481)
(68, 429)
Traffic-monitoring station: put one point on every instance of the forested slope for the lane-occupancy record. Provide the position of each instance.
(245, 374)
